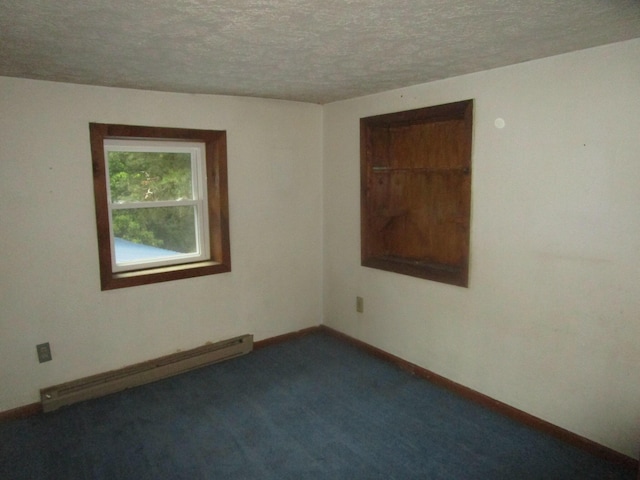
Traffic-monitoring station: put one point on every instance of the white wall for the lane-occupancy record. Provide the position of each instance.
(550, 322)
(49, 278)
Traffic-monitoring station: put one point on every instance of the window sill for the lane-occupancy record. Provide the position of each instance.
(439, 272)
(163, 274)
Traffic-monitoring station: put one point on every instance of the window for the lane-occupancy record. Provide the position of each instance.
(416, 192)
(161, 203)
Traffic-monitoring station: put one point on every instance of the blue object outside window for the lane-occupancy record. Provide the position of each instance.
(127, 251)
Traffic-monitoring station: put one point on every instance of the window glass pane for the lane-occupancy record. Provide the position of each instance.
(171, 229)
(127, 251)
(149, 176)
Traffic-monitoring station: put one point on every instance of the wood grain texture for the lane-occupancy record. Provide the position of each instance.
(416, 192)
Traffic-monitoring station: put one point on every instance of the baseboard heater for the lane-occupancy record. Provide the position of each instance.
(146, 372)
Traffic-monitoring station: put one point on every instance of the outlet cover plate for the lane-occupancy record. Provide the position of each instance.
(44, 352)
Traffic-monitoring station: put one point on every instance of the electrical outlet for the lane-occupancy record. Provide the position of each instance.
(359, 304)
(44, 352)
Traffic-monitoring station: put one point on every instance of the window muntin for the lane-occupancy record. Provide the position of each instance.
(157, 199)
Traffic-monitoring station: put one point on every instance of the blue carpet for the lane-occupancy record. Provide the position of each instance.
(311, 408)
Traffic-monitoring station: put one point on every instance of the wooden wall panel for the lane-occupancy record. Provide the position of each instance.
(416, 192)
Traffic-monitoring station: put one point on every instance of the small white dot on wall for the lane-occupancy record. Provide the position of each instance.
(499, 123)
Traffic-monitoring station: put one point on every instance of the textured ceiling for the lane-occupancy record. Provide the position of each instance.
(308, 50)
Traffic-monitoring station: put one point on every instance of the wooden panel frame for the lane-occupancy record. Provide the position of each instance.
(215, 142)
(410, 161)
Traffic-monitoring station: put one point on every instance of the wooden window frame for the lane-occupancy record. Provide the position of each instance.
(377, 138)
(217, 202)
